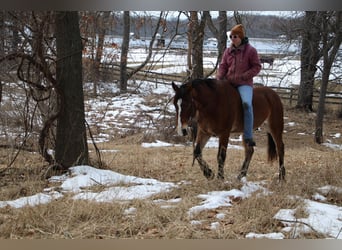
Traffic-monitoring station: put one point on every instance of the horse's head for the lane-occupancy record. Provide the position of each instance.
(184, 107)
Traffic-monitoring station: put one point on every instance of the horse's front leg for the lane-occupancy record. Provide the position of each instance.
(200, 143)
(249, 150)
(221, 155)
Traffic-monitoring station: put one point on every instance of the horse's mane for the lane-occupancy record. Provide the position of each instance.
(210, 82)
(196, 84)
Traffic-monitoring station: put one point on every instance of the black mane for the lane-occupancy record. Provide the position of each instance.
(210, 82)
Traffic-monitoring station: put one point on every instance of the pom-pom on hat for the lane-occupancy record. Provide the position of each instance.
(238, 30)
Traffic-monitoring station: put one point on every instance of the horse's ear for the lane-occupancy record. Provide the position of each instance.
(174, 86)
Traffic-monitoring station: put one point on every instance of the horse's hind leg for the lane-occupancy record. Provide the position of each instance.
(200, 143)
(221, 156)
(249, 150)
(276, 148)
(280, 149)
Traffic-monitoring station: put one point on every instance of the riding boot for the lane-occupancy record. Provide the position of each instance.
(250, 142)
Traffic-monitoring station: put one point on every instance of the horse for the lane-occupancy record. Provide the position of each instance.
(216, 107)
(267, 59)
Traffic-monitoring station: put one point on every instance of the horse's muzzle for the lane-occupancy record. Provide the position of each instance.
(184, 132)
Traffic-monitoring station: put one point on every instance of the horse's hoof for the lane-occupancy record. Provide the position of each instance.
(281, 179)
(242, 178)
(220, 177)
(282, 174)
(209, 175)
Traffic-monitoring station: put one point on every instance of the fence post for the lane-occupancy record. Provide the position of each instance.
(291, 95)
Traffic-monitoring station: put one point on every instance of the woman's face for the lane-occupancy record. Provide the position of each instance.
(236, 40)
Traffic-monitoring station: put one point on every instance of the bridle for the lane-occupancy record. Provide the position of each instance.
(190, 108)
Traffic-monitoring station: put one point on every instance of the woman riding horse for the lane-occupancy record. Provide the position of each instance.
(239, 64)
(215, 106)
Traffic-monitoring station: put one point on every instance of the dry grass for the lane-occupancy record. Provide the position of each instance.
(309, 166)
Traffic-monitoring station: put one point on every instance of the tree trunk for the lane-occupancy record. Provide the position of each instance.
(330, 50)
(15, 36)
(2, 33)
(197, 38)
(2, 43)
(124, 74)
(124, 53)
(189, 57)
(220, 34)
(323, 90)
(321, 108)
(99, 49)
(71, 140)
(310, 54)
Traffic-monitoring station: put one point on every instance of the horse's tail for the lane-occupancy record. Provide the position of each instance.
(272, 150)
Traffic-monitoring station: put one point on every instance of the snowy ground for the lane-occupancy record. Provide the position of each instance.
(119, 112)
(323, 217)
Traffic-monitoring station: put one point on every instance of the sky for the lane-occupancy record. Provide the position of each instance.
(321, 216)
(174, 14)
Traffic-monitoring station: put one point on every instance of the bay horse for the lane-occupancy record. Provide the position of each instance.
(216, 107)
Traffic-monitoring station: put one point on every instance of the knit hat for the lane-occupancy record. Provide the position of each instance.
(238, 30)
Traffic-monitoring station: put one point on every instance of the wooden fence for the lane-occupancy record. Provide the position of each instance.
(112, 72)
(291, 94)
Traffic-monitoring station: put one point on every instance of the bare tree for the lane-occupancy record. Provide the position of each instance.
(124, 52)
(310, 55)
(331, 40)
(238, 17)
(94, 26)
(124, 73)
(195, 40)
(102, 27)
(2, 33)
(220, 33)
(34, 63)
(2, 43)
(71, 141)
(52, 86)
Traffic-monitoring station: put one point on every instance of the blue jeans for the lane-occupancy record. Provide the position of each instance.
(246, 93)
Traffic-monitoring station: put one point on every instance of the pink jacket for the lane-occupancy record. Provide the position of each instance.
(239, 65)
